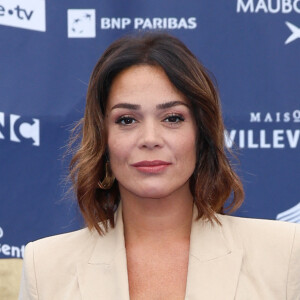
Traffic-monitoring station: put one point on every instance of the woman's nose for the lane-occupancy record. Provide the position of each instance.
(150, 136)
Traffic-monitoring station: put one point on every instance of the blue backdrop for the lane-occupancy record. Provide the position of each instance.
(48, 50)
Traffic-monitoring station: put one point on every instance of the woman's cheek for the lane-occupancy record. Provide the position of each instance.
(118, 149)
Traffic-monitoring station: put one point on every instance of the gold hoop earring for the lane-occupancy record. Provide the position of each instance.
(109, 178)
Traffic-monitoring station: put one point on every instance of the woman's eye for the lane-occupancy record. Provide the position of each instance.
(174, 119)
(125, 120)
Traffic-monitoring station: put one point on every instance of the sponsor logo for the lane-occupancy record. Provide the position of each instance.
(278, 138)
(148, 23)
(20, 129)
(81, 23)
(290, 215)
(272, 7)
(295, 32)
(27, 14)
(268, 6)
(277, 117)
(10, 250)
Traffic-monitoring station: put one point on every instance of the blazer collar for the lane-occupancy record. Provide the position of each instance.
(104, 275)
(213, 269)
(214, 266)
(111, 244)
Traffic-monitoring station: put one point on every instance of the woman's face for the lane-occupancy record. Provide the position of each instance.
(151, 133)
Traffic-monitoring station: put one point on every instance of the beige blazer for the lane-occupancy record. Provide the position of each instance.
(242, 259)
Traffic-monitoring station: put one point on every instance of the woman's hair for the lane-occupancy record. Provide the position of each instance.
(213, 180)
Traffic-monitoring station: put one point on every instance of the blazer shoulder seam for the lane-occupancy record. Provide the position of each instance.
(290, 258)
(34, 271)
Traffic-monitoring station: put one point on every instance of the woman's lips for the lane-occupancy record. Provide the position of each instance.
(154, 166)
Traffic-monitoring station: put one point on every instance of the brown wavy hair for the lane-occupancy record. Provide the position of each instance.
(213, 180)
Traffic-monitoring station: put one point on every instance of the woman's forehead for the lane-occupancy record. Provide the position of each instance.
(143, 85)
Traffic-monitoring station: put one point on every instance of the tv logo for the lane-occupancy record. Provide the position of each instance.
(27, 14)
(20, 129)
(81, 23)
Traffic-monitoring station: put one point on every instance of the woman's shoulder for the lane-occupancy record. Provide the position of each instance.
(257, 226)
(271, 250)
(76, 245)
(52, 262)
(257, 236)
(83, 234)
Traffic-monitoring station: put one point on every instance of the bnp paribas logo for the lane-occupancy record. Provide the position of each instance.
(26, 14)
(81, 23)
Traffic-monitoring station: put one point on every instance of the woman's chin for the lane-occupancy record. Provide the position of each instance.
(153, 192)
(145, 191)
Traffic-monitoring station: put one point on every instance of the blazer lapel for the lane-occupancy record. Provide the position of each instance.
(214, 268)
(104, 276)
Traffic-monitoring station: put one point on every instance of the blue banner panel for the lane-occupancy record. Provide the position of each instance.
(48, 50)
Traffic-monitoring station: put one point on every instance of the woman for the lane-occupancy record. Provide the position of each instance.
(152, 178)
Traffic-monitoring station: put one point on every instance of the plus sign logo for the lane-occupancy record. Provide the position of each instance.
(81, 23)
(27, 14)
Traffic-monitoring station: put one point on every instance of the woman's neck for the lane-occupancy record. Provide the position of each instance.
(157, 221)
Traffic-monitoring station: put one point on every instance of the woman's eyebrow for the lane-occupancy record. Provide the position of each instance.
(170, 104)
(126, 105)
(165, 105)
